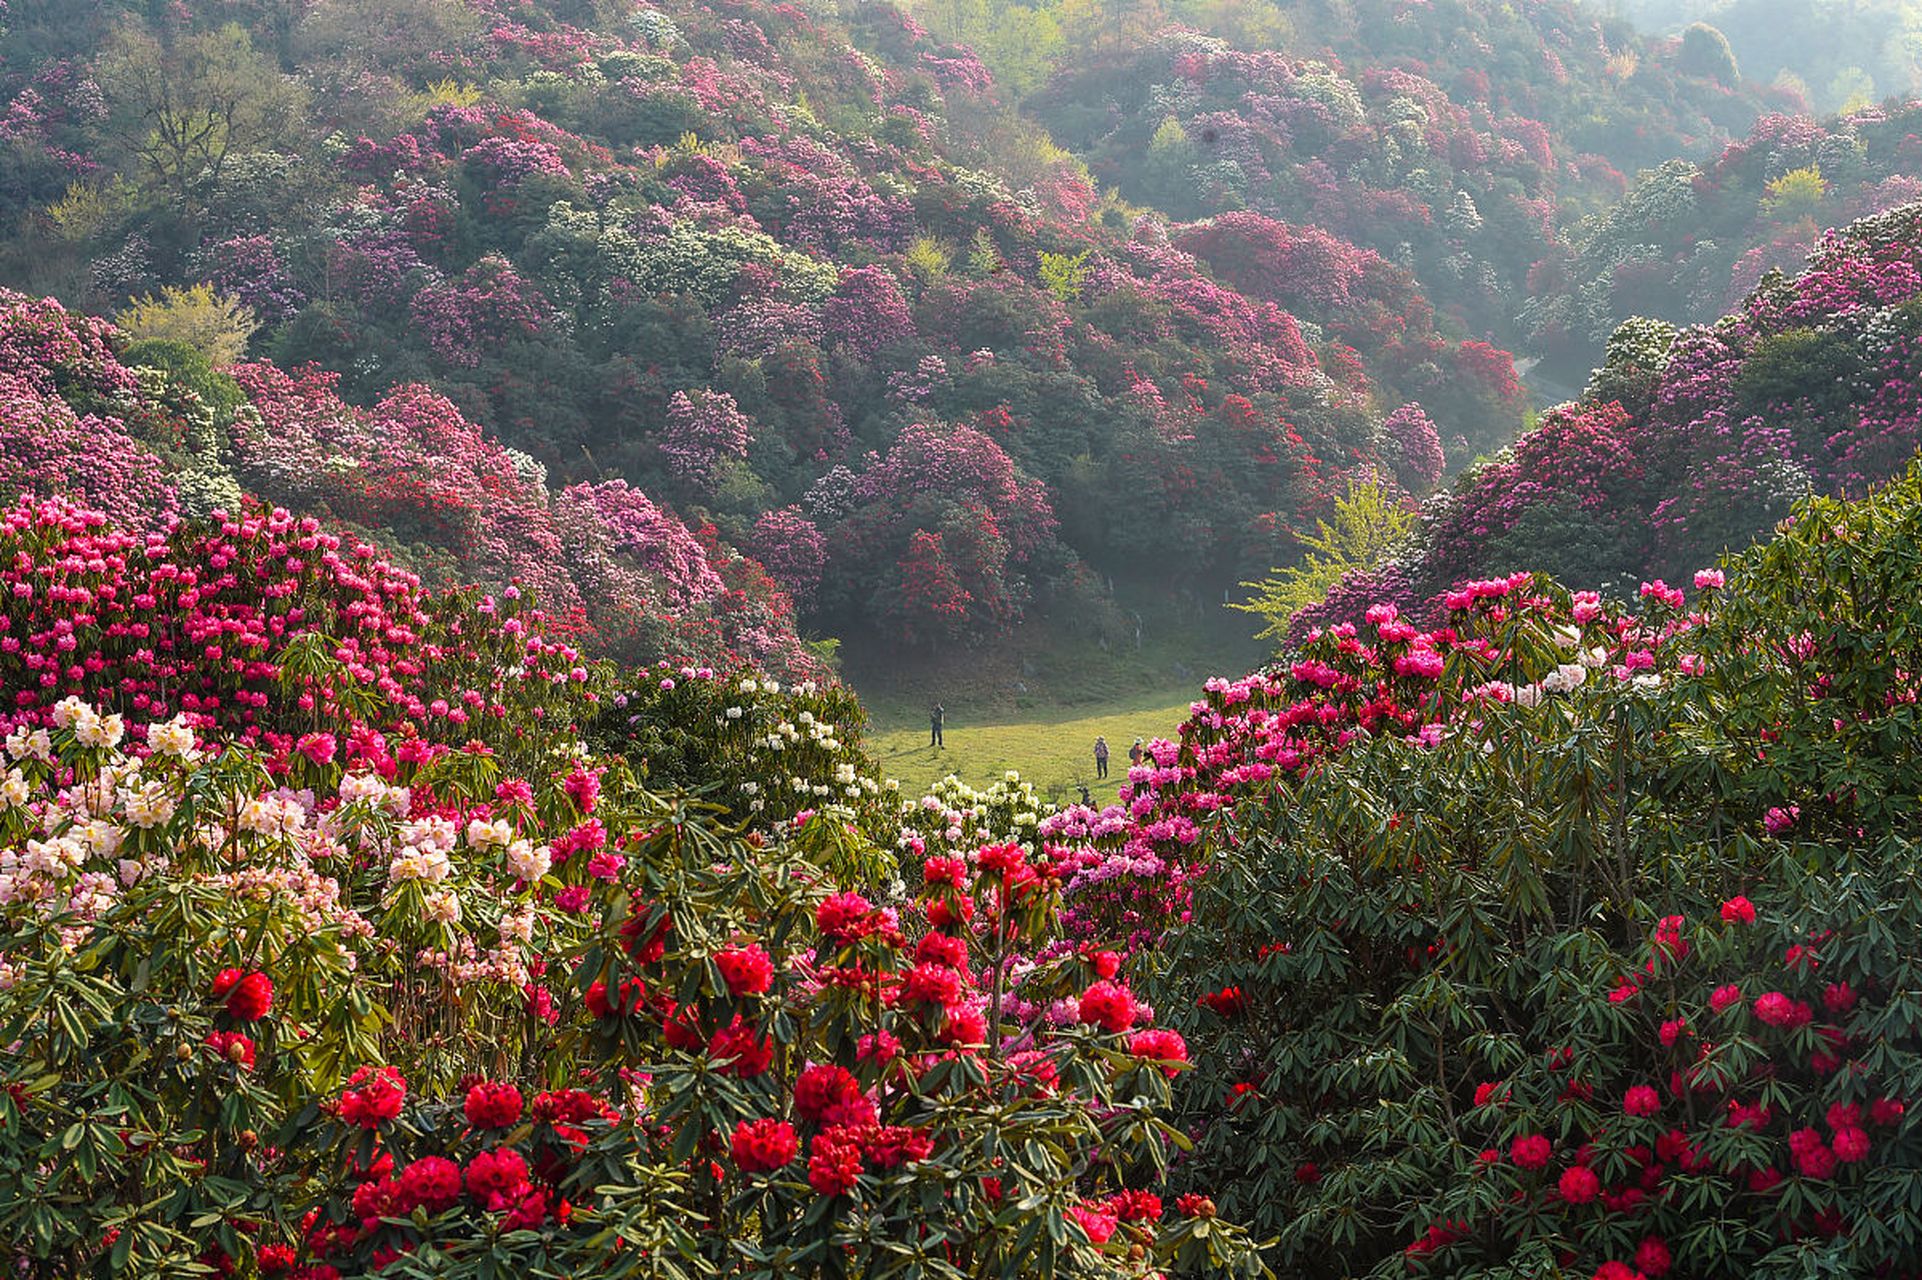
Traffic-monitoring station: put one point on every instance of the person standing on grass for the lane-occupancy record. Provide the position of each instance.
(936, 719)
(1135, 753)
(1100, 757)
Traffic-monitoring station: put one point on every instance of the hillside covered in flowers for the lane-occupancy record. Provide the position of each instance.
(348, 929)
(1462, 140)
(1688, 441)
(1690, 240)
(431, 847)
(800, 276)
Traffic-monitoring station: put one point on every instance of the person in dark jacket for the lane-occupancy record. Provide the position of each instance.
(936, 719)
(1100, 757)
(1135, 753)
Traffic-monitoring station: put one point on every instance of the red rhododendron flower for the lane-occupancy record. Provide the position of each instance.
(880, 1046)
(249, 996)
(529, 1213)
(1652, 1258)
(1096, 1221)
(1886, 1111)
(1531, 1151)
(834, 1164)
(1108, 1005)
(1851, 1145)
(751, 1052)
(1775, 1008)
(1229, 1002)
(965, 1027)
(1136, 1206)
(1487, 1092)
(1161, 1045)
(1838, 997)
(1612, 1270)
(497, 1178)
(942, 949)
(1194, 1205)
(762, 1146)
(1724, 997)
(747, 970)
(932, 984)
(377, 1199)
(431, 1182)
(892, 1145)
(373, 1096)
(1738, 910)
(492, 1106)
(947, 871)
(1671, 1030)
(1579, 1185)
(942, 915)
(820, 1087)
(1641, 1100)
(838, 916)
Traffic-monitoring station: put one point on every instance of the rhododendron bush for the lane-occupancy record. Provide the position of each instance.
(275, 631)
(1558, 940)
(302, 975)
(596, 1022)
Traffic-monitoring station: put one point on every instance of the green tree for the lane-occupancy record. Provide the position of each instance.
(213, 324)
(1367, 525)
(1795, 195)
(1064, 275)
(1705, 53)
(185, 106)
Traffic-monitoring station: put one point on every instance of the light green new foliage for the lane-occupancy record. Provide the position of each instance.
(1366, 526)
(1799, 193)
(1064, 275)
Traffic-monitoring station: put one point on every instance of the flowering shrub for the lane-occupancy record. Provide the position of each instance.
(418, 1015)
(763, 753)
(268, 628)
(1537, 941)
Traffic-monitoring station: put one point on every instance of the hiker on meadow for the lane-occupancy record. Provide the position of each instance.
(1100, 757)
(1135, 753)
(936, 719)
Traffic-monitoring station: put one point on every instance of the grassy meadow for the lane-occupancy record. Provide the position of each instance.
(1055, 753)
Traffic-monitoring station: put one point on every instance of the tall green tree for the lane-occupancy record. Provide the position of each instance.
(185, 105)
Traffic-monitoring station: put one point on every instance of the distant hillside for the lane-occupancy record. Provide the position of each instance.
(1461, 138)
(800, 276)
(1690, 240)
(1840, 54)
(1694, 441)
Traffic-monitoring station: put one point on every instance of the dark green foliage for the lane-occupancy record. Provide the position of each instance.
(1412, 924)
